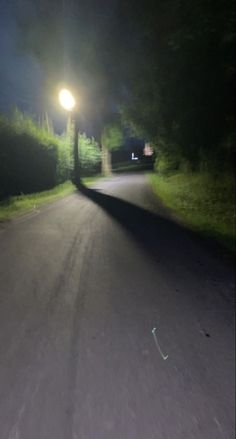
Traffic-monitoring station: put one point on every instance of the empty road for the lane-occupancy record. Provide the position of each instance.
(83, 283)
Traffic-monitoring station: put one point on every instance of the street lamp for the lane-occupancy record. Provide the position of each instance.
(68, 102)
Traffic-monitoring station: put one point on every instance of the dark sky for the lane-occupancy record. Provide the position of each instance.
(23, 78)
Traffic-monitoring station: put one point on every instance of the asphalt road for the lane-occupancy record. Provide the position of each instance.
(83, 283)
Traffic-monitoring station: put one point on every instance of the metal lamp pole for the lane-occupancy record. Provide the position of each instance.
(67, 101)
(77, 179)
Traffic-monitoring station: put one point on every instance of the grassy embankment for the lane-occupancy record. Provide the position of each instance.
(24, 203)
(202, 202)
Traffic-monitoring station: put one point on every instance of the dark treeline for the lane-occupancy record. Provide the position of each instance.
(178, 74)
(167, 65)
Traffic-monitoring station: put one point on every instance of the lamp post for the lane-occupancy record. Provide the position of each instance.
(68, 102)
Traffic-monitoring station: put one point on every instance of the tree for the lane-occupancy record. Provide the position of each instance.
(180, 75)
(89, 155)
(172, 67)
(111, 139)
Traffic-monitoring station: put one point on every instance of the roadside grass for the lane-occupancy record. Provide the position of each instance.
(24, 203)
(202, 202)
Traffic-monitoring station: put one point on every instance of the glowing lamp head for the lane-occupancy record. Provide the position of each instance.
(66, 99)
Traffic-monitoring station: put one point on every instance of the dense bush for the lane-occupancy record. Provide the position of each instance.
(33, 159)
(28, 162)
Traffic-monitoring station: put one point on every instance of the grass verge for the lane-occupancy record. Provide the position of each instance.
(24, 203)
(201, 201)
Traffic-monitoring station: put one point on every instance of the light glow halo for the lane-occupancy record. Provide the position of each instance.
(66, 99)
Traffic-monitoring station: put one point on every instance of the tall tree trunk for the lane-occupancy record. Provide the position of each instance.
(106, 161)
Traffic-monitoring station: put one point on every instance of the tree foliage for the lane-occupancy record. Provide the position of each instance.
(112, 136)
(169, 64)
(111, 139)
(33, 159)
(28, 157)
(180, 76)
(89, 155)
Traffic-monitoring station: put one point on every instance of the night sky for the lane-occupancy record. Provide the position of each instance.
(21, 75)
(30, 82)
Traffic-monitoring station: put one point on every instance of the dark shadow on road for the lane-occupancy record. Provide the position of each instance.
(160, 237)
(172, 250)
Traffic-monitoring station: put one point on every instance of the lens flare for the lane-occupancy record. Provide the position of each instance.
(66, 99)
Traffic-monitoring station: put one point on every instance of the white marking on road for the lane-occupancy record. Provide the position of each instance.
(157, 344)
(218, 424)
(15, 432)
